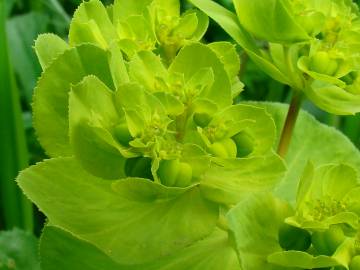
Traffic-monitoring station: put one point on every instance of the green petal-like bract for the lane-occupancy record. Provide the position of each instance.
(270, 20)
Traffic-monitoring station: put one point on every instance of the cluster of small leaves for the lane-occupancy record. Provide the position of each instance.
(152, 164)
(309, 45)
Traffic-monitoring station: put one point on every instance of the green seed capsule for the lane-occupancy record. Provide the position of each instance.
(231, 148)
(323, 64)
(184, 176)
(202, 119)
(293, 238)
(168, 172)
(218, 150)
(139, 167)
(122, 133)
(355, 263)
(328, 241)
(224, 149)
(175, 173)
(244, 143)
(332, 67)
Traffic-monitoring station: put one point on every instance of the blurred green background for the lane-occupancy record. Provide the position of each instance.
(20, 23)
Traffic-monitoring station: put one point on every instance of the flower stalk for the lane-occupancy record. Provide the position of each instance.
(290, 122)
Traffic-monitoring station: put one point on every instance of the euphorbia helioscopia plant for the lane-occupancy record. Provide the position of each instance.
(153, 165)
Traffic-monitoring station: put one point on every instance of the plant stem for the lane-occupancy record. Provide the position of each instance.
(290, 122)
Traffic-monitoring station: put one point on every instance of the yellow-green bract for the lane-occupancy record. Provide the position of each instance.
(310, 45)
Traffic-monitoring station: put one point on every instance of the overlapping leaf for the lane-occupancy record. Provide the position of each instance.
(113, 215)
(62, 250)
(52, 93)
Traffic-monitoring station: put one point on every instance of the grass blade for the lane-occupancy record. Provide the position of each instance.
(17, 211)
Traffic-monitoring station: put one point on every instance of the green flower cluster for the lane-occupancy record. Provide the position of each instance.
(132, 115)
(144, 25)
(320, 233)
(139, 121)
(309, 45)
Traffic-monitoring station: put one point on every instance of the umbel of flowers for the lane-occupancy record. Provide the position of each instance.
(153, 166)
(310, 45)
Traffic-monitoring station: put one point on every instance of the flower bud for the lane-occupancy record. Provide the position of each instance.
(224, 149)
(168, 172)
(184, 175)
(175, 173)
(323, 64)
(328, 241)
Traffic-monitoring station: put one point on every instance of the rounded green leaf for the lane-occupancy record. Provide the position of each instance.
(271, 20)
(147, 69)
(202, 25)
(302, 260)
(91, 24)
(187, 25)
(51, 94)
(48, 47)
(113, 215)
(93, 118)
(213, 252)
(234, 179)
(171, 7)
(123, 9)
(230, 23)
(332, 98)
(195, 57)
(228, 56)
(172, 105)
(118, 68)
(60, 250)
